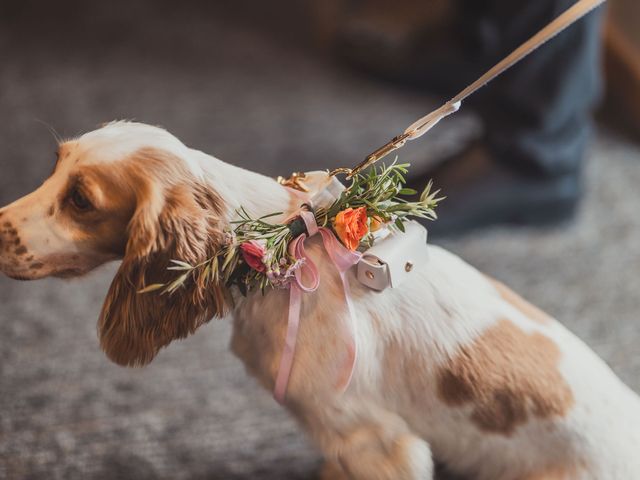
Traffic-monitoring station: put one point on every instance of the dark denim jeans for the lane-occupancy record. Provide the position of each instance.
(538, 114)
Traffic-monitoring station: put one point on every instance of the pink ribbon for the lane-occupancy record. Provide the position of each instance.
(343, 259)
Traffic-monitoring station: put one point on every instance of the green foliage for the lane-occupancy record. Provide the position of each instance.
(380, 190)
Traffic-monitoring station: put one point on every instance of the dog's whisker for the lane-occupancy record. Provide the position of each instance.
(56, 136)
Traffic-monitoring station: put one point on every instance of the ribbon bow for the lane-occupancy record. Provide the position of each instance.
(343, 259)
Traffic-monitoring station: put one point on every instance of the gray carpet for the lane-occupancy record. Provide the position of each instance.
(224, 84)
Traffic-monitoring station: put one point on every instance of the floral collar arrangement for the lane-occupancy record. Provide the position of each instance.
(257, 253)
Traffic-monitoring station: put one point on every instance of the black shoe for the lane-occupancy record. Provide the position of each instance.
(481, 191)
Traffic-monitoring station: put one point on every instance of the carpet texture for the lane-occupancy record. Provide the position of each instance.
(226, 85)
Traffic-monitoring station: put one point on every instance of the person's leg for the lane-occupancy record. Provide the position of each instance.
(537, 120)
(538, 115)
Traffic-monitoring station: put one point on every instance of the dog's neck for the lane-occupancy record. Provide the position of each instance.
(258, 194)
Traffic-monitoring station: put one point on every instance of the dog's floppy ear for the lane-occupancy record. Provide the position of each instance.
(177, 222)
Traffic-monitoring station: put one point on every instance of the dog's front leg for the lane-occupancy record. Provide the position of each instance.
(380, 450)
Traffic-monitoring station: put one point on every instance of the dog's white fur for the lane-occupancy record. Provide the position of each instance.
(395, 416)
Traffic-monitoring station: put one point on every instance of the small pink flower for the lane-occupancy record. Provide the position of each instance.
(281, 275)
(253, 253)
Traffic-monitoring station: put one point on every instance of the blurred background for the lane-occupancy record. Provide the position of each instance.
(300, 85)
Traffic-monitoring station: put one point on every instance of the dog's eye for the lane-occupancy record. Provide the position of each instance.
(79, 201)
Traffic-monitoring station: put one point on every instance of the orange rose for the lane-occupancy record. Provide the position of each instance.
(350, 226)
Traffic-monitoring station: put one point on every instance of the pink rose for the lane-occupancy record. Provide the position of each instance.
(253, 253)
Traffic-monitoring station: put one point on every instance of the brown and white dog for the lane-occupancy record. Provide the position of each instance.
(452, 366)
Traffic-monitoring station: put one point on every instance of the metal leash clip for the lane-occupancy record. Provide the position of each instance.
(415, 130)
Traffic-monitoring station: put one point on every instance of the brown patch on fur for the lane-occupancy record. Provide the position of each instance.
(527, 309)
(51, 211)
(7, 225)
(36, 266)
(175, 217)
(21, 250)
(507, 375)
